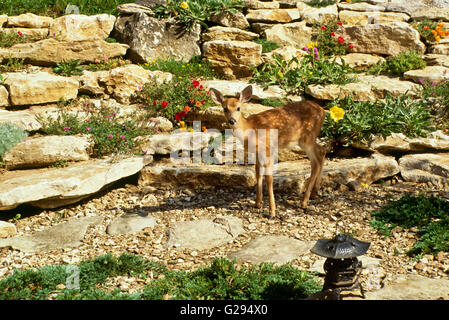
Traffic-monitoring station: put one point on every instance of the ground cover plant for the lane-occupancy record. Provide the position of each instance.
(10, 135)
(327, 40)
(352, 121)
(219, 280)
(295, 75)
(430, 215)
(57, 8)
(397, 65)
(111, 133)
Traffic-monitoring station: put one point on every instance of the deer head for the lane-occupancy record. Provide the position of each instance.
(232, 106)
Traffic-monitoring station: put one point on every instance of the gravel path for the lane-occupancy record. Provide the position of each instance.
(341, 210)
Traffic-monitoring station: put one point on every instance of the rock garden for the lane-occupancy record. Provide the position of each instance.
(112, 150)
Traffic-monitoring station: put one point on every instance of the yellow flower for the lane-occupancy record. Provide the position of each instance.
(312, 45)
(184, 5)
(365, 185)
(336, 113)
(437, 38)
(190, 130)
(182, 123)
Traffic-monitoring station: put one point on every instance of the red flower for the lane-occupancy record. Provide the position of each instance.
(333, 34)
(183, 114)
(341, 39)
(177, 116)
(186, 109)
(426, 27)
(350, 46)
(19, 33)
(339, 23)
(164, 104)
(154, 102)
(323, 27)
(195, 83)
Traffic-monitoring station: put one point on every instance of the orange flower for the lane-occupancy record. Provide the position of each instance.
(186, 109)
(204, 129)
(426, 27)
(197, 104)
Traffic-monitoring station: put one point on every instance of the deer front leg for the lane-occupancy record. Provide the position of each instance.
(269, 182)
(259, 194)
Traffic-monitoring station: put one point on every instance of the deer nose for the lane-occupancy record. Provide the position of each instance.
(232, 121)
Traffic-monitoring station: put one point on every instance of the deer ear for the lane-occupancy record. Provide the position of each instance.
(216, 96)
(246, 94)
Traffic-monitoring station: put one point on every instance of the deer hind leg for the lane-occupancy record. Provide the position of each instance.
(268, 172)
(321, 157)
(316, 155)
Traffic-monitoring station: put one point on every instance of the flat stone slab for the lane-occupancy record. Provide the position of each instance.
(426, 168)
(64, 235)
(130, 223)
(412, 287)
(205, 233)
(23, 119)
(54, 187)
(398, 142)
(276, 249)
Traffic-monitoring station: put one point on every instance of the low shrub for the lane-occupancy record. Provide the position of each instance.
(399, 64)
(10, 135)
(111, 134)
(218, 280)
(196, 68)
(358, 122)
(429, 214)
(175, 99)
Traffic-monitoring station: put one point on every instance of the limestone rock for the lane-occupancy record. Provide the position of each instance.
(313, 15)
(75, 27)
(40, 87)
(29, 20)
(286, 53)
(233, 59)
(367, 88)
(296, 34)
(255, 4)
(7, 229)
(233, 20)
(361, 6)
(164, 144)
(398, 142)
(64, 235)
(54, 187)
(425, 168)
(436, 60)
(383, 38)
(131, 8)
(49, 52)
(198, 175)
(275, 249)
(441, 47)
(23, 119)
(3, 19)
(205, 233)
(43, 151)
(412, 287)
(161, 124)
(130, 223)
(352, 18)
(4, 96)
(228, 34)
(360, 61)
(429, 73)
(166, 38)
(273, 15)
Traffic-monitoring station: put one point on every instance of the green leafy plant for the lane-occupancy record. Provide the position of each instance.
(364, 119)
(267, 46)
(196, 68)
(438, 96)
(429, 214)
(10, 135)
(191, 12)
(327, 40)
(110, 133)
(399, 64)
(106, 64)
(320, 3)
(70, 68)
(12, 65)
(175, 99)
(219, 280)
(8, 38)
(295, 75)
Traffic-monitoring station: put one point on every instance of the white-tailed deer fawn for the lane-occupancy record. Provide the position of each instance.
(297, 123)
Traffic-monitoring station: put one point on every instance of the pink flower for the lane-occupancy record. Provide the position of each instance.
(110, 136)
(421, 80)
(88, 128)
(433, 83)
(66, 128)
